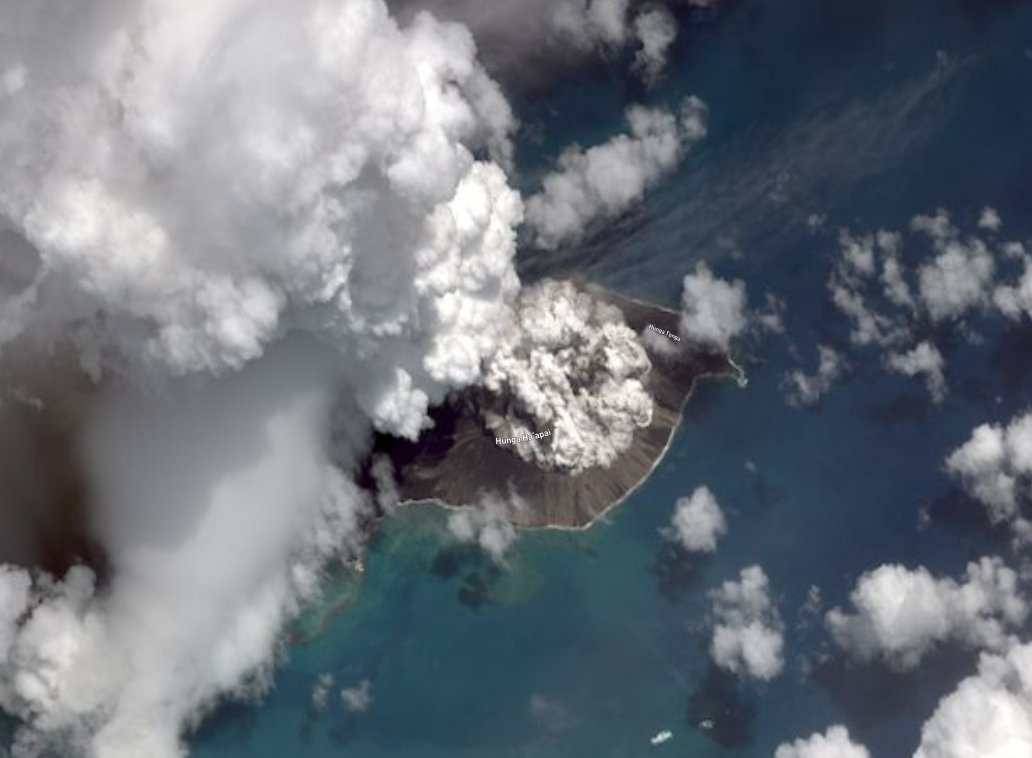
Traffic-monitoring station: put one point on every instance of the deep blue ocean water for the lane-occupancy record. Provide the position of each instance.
(587, 644)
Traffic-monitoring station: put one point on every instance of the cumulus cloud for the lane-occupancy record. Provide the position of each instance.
(357, 699)
(605, 180)
(274, 215)
(854, 286)
(902, 614)
(960, 276)
(924, 359)
(748, 635)
(1015, 300)
(567, 365)
(655, 30)
(990, 220)
(698, 522)
(713, 311)
(834, 743)
(988, 714)
(321, 691)
(802, 389)
(995, 467)
(487, 524)
(889, 303)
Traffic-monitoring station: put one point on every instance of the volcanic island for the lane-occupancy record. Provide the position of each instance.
(458, 460)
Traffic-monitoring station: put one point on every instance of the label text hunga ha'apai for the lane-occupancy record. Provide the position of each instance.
(522, 438)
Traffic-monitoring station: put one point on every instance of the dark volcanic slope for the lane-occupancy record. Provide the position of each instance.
(457, 461)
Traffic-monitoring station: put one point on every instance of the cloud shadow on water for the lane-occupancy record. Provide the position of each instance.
(872, 694)
(724, 709)
(955, 511)
(676, 571)
(1011, 360)
(475, 573)
(908, 408)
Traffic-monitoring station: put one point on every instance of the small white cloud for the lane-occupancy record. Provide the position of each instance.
(713, 311)
(357, 699)
(748, 634)
(960, 277)
(655, 30)
(771, 317)
(924, 359)
(834, 743)
(901, 615)
(802, 389)
(487, 524)
(852, 293)
(995, 467)
(321, 691)
(1015, 300)
(698, 522)
(605, 180)
(989, 219)
(858, 252)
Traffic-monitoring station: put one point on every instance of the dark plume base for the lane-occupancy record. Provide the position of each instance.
(457, 461)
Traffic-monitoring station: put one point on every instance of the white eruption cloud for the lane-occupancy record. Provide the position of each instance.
(605, 180)
(260, 231)
(988, 714)
(901, 615)
(834, 743)
(713, 310)
(698, 522)
(802, 390)
(748, 637)
(995, 467)
(570, 366)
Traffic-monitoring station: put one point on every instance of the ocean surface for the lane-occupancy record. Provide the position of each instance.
(588, 643)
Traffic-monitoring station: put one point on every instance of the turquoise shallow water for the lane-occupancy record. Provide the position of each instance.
(588, 643)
